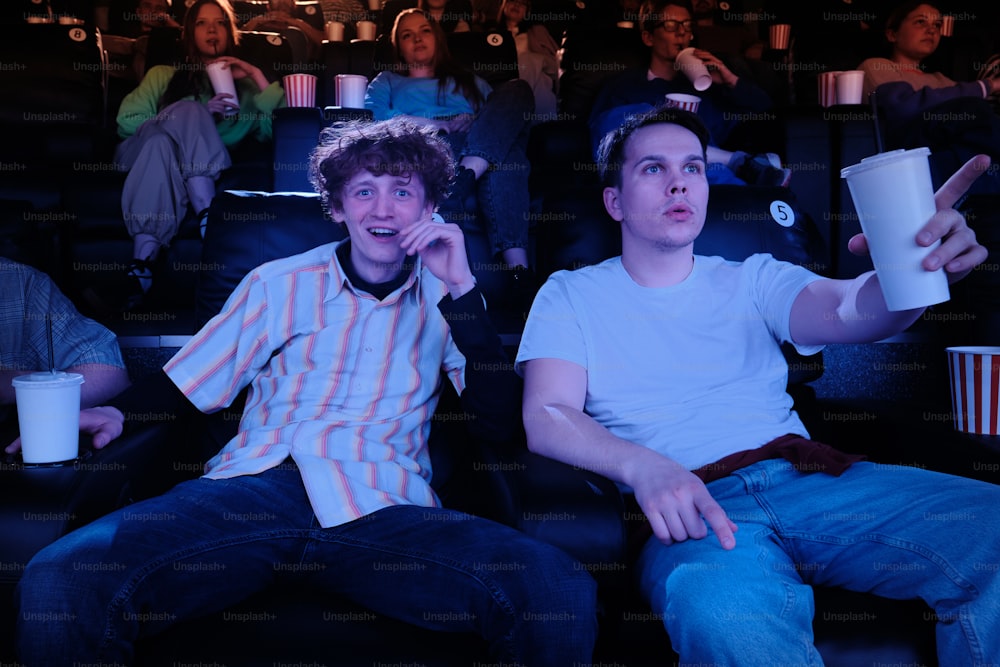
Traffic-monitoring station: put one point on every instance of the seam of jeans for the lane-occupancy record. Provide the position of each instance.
(496, 592)
(125, 593)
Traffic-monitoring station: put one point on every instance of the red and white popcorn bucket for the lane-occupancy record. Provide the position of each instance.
(975, 388)
(682, 101)
(300, 90)
(827, 88)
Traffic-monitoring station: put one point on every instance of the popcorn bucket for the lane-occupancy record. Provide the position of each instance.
(975, 388)
(827, 88)
(682, 101)
(778, 36)
(947, 25)
(300, 90)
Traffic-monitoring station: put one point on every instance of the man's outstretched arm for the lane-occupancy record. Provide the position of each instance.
(854, 311)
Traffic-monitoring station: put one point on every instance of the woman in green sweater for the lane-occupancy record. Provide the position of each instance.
(176, 134)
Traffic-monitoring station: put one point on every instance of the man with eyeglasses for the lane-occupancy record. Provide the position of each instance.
(667, 27)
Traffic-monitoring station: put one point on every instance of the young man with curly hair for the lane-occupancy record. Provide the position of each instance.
(343, 347)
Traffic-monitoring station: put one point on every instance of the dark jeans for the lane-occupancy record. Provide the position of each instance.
(207, 544)
(499, 135)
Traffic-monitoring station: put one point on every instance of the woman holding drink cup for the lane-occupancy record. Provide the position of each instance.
(177, 133)
(675, 67)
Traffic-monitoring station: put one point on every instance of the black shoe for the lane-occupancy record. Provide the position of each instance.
(124, 293)
(462, 197)
(764, 170)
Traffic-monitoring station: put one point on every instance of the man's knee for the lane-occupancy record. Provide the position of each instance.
(552, 579)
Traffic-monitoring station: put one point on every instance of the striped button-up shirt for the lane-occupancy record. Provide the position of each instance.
(341, 382)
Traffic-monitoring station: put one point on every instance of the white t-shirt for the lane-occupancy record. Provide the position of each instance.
(694, 370)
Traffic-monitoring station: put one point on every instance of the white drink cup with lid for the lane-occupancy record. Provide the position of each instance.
(693, 68)
(222, 80)
(894, 198)
(48, 413)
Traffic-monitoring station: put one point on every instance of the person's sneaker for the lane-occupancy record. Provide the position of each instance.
(126, 292)
(764, 170)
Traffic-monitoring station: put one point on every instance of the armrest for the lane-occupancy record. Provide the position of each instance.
(576, 510)
(39, 505)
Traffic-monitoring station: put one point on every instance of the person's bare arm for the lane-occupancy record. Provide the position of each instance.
(854, 311)
(675, 501)
(101, 382)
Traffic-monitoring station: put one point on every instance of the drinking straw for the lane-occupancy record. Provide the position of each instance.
(48, 336)
(879, 147)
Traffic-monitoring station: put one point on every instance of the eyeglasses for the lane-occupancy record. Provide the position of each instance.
(671, 25)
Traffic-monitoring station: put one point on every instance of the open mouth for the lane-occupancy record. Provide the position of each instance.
(382, 232)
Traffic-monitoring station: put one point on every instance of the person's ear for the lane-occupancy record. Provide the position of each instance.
(337, 214)
(612, 203)
(647, 37)
(890, 35)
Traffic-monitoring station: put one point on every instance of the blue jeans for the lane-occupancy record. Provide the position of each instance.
(207, 544)
(499, 135)
(894, 531)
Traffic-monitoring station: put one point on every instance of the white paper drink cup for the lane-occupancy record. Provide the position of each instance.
(849, 85)
(48, 413)
(693, 68)
(366, 30)
(974, 373)
(350, 90)
(334, 31)
(300, 90)
(894, 199)
(222, 82)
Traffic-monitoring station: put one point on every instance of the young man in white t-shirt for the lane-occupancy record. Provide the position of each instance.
(661, 370)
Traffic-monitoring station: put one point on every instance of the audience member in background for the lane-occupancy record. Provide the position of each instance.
(667, 30)
(281, 15)
(537, 62)
(913, 31)
(127, 38)
(29, 300)
(452, 15)
(129, 18)
(923, 108)
(177, 132)
(348, 12)
(487, 130)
